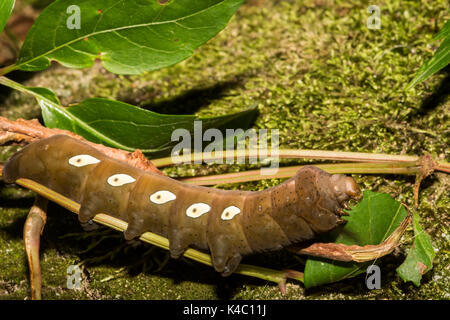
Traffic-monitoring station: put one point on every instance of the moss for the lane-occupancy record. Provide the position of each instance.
(321, 77)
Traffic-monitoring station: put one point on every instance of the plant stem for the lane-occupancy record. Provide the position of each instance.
(287, 172)
(284, 154)
(14, 85)
(32, 237)
(443, 166)
(7, 69)
(222, 157)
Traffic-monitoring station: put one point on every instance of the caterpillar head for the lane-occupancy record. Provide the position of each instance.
(344, 189)
(323, 197)
(337, 191)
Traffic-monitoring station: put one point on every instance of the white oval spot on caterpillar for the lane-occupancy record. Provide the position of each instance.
(162, 196)
(120, 179)
(82, 160)
(197, 209)
(230, 212)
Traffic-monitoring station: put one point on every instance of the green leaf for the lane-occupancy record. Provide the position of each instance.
(371, 221)
(440, 59)
(129, 37)
(6, 7)
(420, 257)
(124, 126)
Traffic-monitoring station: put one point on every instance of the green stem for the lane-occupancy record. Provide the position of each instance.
(14, 85)
(7, 69)
(285, 154)
(391, 161)
(287, 172)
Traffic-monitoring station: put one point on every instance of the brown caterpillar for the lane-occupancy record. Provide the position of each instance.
(230, 224)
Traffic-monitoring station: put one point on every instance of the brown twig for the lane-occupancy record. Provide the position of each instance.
(30, 130)
(14, 138)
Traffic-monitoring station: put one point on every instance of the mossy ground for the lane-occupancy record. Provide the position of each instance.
(321, 77)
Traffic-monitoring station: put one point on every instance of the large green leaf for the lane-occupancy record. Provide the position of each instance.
(6, 7)
(440, 59)
(129, 37)
(128, 127)
(371, 221)
(420, 257)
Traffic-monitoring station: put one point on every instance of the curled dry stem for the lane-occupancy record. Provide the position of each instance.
(34, 225)
(342, 252)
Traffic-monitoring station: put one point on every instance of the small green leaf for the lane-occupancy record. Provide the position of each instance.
(6, 7)
(440, 59)
(129, 37)
(420, 257)
(371, 221)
